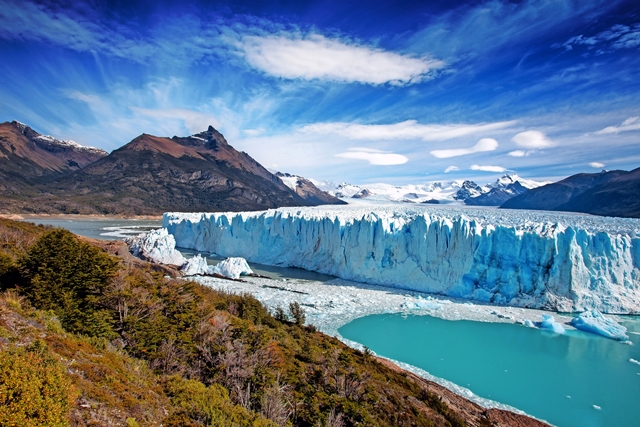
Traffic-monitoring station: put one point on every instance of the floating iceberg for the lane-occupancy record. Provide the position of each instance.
(549, 323)
(232, 267)
(156, 246)
(555, 261)
(196, 265)
(593, 321)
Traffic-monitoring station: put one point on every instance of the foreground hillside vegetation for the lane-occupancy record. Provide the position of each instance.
(91, 339)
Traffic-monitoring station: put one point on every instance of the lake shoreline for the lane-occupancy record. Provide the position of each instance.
(80, 217)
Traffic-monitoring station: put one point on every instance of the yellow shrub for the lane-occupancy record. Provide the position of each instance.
(34, 388)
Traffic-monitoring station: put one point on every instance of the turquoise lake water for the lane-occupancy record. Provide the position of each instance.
(557, 378)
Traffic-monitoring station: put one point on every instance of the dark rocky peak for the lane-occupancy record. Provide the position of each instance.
(362, 194)
(468, 189)
(210, 138)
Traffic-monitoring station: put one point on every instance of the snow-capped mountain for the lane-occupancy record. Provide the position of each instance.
(458, 191)
(27, 157)
(307, 190)
(503, 189)
(52, 144)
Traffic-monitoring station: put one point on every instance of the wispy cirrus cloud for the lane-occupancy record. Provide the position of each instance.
(485, 144)
(617, 37)
(495, 169)
(409, 129)
(451, 169)
(311, 57)
(373, 156)
(632, 123)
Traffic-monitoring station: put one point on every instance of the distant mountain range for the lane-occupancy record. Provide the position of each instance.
(149, 175)
(608, 193)
(467, 192)
(202, 172)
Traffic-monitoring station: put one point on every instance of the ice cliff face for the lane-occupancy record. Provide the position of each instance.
(530, 259)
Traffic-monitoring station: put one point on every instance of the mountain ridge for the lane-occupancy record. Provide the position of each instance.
(152, 174)
(608, 193)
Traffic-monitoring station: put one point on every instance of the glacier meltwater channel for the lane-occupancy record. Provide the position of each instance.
(556, 261)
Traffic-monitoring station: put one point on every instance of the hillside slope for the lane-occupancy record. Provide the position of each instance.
(158, 351)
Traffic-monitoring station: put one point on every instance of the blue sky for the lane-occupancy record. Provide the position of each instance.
(371, 91)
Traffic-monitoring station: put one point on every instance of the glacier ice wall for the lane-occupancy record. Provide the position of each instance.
(554, 261)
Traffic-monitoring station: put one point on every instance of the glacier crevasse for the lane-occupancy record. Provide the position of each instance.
(544, 260)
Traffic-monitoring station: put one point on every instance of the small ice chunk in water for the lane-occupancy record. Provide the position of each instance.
(548, 322)
(528, 323)
(597, 408)
(596, 323)
(634, 361)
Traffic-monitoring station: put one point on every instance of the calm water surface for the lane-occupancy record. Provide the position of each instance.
(558, 378)
(104, 229)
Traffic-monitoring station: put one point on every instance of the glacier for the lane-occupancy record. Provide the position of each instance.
(547, 260)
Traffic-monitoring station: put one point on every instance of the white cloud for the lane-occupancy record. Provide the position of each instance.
(194, 121)
(632, 123)
(290, 56)
(596, 165)
(409, 129)
(533, 139)
(253, 132)
(485, 144)
(451, 169)
(373, 156)
(519, 153)
(488, 168)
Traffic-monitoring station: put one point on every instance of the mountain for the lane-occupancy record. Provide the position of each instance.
(436, 192)
(608, 193)
(502, 190)
(307, 190)
(412, 193)
(27, 157)
(153, 174)
(467, 190)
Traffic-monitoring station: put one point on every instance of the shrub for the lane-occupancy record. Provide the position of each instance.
(297, 313)
(34, 388)
(63, 274)
(198, 404)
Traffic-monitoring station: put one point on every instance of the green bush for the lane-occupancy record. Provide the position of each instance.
(8, 272)
(34, 388)
(197, 404)
(63, 274)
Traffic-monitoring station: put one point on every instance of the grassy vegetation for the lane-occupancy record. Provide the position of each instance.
(127, 346)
